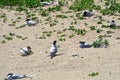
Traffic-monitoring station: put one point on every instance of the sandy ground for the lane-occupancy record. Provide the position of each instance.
(105, 61)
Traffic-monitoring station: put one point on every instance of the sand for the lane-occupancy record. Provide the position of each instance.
(105, 61)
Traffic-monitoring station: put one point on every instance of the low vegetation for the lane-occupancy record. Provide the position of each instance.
(45, 34)
(100, 43)
(80, 5)
(77, 31)
(62, 37)
(93, 74)
(61, 16)
(112, 7)
(10, 37)
(25, 3)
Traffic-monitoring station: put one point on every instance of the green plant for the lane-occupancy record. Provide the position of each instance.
(99, 22)
(59, 32)
(81, 18)
(104, 35)
(20, 8)
(71, 23)
(58, 46)
(118, 18)
(97, 7)
(68, 11)
(32, 14)
(18, 17)
(77, 31)
(45, 34)
(3, 41)
(96, 44)
(18, 36)
(85, 24)
(78, 14)
(8, 38)
(113, 27)
(107, 3)
(23, 38)
(63, 35)
(12, 34)
(44, 13)
(64, 30)
(98, 30)
(61, 3)
(100, 43)
(53, 9)
(75, 22)
(112, 7)
(5, 19)
(52, 24)
(11, 24)
(109, 32)
(42, 37)
(118, 38)
(61, 39)
(14, 22)
(106, 42)
(82, 31)
(22, 26)
(100, 17)
(94, 74)
(48, 34)
(79, 5)
(118, 27)
(106, 11)
(35, 18)
(61, 16)
(105, 26)
(3, 15)
(71, 28)
(72, 35)
(92, 28)
(28, 14)
(58, 8)
(48, 19)
(25, 3)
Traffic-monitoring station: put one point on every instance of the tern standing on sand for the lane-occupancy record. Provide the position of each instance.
(53, 49)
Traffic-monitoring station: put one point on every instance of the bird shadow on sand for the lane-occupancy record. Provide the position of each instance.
(56, 55)
(59, 54)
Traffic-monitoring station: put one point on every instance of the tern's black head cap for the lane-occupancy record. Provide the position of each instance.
(54, 42)
(27, 19)
(10, 74)
(82, 42)
(28, 47)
